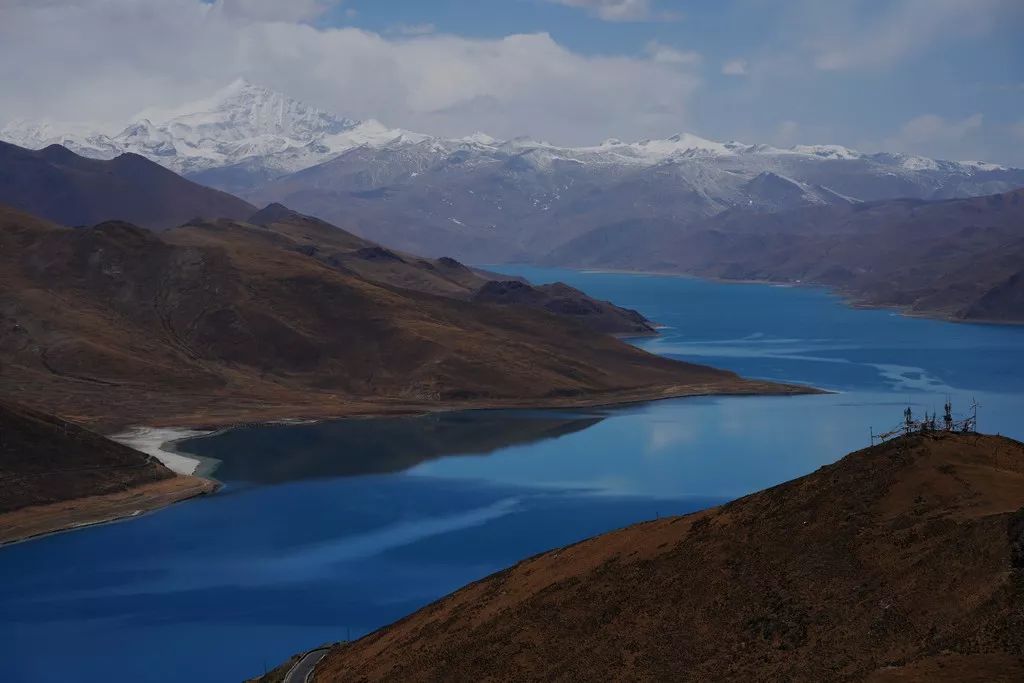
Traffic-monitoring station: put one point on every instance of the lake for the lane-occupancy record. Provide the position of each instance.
(328, 531)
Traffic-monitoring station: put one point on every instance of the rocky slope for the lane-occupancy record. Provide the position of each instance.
(961, 258)
(222, 321)
(901, 562)
(59, 185)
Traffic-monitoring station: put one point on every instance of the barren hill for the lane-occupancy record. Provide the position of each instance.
(61, 186)
(957, 258)
(55, 474)
(44, 459)
(900, 562)
(215, 322)
(345, 251)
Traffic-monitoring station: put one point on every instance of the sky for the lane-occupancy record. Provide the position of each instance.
(940, 78)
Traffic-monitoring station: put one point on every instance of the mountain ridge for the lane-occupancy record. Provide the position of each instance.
(57, 184)
(243, 111)
(955, 258)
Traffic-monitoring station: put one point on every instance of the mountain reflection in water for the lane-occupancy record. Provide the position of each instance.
(278, 453)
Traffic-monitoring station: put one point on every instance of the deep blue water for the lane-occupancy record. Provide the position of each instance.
(330, 530)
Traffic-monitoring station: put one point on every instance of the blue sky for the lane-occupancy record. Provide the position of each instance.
(941, 78)
(955, 73)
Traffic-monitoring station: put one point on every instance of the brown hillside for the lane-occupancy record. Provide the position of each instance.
(61, 186)
(55, 475)
(957, 258)
(216, 323)
(444, 276)
(901, 562)
(44, 459)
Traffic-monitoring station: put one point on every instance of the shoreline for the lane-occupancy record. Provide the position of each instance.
(192, 478)
(39, 521)
(161, 443)
(193, 474)
(211, 420)
(848, 298)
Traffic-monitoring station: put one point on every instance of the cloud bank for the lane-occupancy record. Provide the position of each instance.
(105, 60)
(621, 10)
(856, 34)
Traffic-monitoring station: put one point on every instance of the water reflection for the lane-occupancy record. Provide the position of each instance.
(274, 454)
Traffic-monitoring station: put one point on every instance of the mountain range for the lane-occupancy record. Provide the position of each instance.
(957, 258)
(485, 200)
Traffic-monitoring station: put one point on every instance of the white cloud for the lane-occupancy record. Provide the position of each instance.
(621, 10)
(735, 67)
(666, 54)
(414, 29)
(275, 10)
(787, 134)
(936, 136)
(105, 61)
(853, 34)
(930, 127)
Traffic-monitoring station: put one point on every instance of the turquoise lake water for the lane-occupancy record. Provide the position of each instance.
(331, 530)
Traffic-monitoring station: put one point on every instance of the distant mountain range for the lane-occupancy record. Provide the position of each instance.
(486, 200)
(956, 258)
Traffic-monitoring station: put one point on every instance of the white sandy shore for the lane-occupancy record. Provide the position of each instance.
(159, 442)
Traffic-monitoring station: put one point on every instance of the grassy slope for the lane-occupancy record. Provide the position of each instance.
(901, 562)
(211, 324)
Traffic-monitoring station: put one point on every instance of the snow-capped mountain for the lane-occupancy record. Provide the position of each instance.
(247, 123)
(486, 199)
(79, 138)
(243, 122)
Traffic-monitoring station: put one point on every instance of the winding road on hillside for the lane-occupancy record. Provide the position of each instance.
(303, 669)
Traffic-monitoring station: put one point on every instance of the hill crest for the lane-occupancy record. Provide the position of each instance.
(900, 562)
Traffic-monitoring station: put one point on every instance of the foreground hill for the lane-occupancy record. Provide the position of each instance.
(59, 185)
(958, 258)
(46, 461)
(215, 322)
(900, 562)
